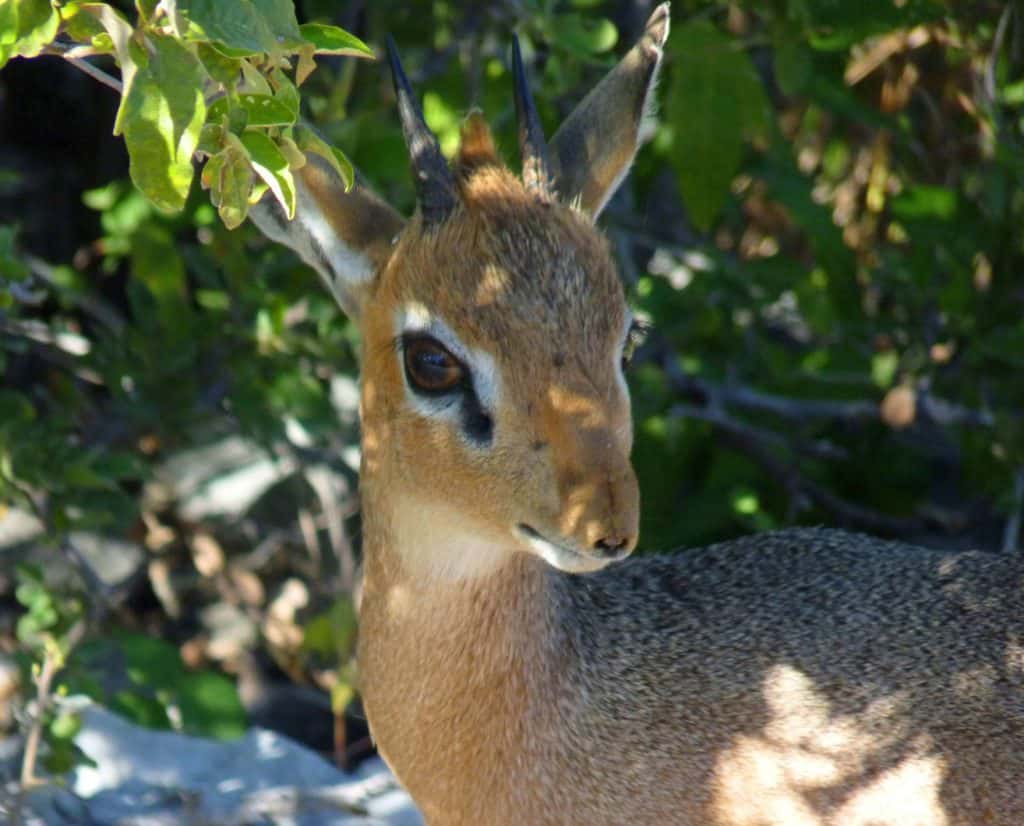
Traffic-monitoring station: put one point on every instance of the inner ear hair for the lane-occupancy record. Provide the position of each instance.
(595, 146)
(346, 236)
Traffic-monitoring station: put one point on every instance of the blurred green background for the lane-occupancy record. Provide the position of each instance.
(825, 233)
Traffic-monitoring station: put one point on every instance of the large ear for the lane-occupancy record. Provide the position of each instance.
(345, 236)
(594, 149)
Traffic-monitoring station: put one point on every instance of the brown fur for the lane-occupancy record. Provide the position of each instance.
(517, 278)
(803, 678)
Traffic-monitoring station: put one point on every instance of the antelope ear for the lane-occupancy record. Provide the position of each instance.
(345, 236)
(594, 149)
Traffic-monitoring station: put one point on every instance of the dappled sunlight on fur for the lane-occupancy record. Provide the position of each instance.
(811, 767)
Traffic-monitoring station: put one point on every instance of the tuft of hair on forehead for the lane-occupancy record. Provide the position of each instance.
(476, 147)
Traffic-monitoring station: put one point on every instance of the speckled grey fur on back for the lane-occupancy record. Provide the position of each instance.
(854, 657)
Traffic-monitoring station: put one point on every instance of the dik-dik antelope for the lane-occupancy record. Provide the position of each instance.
(515, 668)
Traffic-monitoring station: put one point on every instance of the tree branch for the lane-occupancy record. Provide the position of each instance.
(730, 394)
(751, 442)
(1011, 532)
(74, 55)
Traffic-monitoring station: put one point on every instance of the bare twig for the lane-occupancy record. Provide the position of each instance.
(331, 490)
(1011, 533)
(777, 453)
(731, 394)
(91, 304)
(997, 46)
(62, 349)
(74, 54)
(53, 661)
(97, 74)
(97, 588)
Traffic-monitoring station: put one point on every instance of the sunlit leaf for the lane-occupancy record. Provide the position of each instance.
(333, 40)
(26, 26)
(232, 24)
(163, 115)
(80, 26)
(272, 166)
(260, 110)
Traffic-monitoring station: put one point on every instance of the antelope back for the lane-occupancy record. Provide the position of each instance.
(495, 414)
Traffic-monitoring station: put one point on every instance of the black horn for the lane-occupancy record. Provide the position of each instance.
(532, 147)
(435, 186)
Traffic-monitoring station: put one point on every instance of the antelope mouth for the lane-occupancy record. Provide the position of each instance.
(559, 555)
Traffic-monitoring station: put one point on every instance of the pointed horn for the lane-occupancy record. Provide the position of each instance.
(435, 186)
(532, 146)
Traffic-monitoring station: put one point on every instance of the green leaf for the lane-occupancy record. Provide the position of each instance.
(253, 80)
(837, 25)
(924, 201)
(584, 35)
(245, 27)
(65, 725)
(714, 101)
(120, 35)
(231, 24)
(80, 476)
(163, 115)
(883, 368)
(15, 409)
(144, 711)
(279, 16)
(296, 160)
(157, 264)
(211, 138)
(261, 110)
(310, 142)
(271, 165)
(213, 300)
(26, 26)
(223, 69)
(229, 177)
(333, 40)
(120, 464)
(79, 26)
(12, 268)
(210, 705)
(794, 66)
(287, 95)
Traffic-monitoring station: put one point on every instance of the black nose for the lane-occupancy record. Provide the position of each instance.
(611, 546)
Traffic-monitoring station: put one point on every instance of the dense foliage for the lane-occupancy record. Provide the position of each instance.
(824, 232)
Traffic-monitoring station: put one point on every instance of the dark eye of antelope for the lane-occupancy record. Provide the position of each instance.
(430, 368)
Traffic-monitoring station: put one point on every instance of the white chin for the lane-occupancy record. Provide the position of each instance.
(564, 559)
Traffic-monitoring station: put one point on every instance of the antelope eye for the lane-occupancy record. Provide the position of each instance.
(430, 368)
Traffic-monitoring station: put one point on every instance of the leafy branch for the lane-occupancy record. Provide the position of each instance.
(215, 79)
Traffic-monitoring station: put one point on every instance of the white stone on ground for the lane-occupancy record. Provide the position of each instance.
(157, 778)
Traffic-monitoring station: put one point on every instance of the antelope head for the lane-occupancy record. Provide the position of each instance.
(495, 413)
